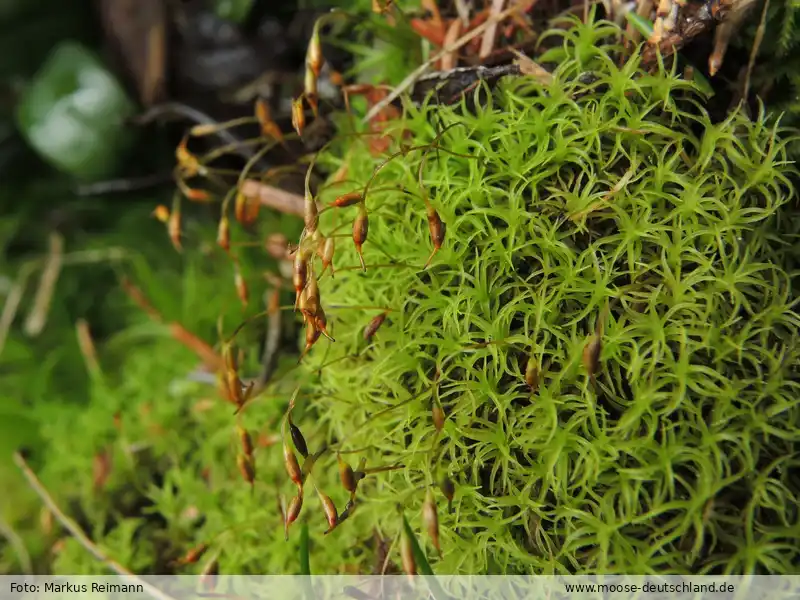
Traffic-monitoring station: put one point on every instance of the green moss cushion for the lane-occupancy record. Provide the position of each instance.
(619, 192)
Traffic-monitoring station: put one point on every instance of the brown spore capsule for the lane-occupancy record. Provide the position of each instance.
(299, 273)
(298, 116)
(295, 505)
(246, 441)
(331, 514)
(348, 199)
(431, 519)
(242, 290)
(373, 326)
(449, 490)
(224, 234)
(347, 476)
(310, 213)
(594, 347)
(437, 230)
(312, 297)
(312, 335)
(591, 355)
(174, 228)
(298, 440)
(407, 554)
(314, 58)
(246, 209)
(247, 468)
(321, 323)
(161, 213)
(302, 304)
(264, 116)
(532, 374)
(438, 416)
(328, 250)
(193, 555)
(292, 466)
(360, 231)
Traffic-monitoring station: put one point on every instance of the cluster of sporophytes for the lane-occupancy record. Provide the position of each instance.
(595, 371)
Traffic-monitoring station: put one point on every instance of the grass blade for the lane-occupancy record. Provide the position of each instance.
(423, 566)
(305, 554)
(305, 563)
(640, 24)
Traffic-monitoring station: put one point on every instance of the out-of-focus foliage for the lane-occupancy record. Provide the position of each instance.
(75, 112)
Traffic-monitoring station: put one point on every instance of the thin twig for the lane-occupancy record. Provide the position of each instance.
(463, 12)
(126, 184)
(273, 197)
(78, 533)
(82, 257)
(37, 317)
(87, 347)
(16, 543)
(201, 118)
(17, 291)
(419, 71)
(754, 51)
(13, 301)
(182, 110)
(450, 61)
(487, 43)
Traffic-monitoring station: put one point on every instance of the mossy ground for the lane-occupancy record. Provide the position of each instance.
(683, 459)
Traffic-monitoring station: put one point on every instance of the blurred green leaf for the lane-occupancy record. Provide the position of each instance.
(74, 112)
(233, 10)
